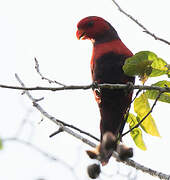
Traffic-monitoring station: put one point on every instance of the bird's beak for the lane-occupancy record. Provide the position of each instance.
(80, 34)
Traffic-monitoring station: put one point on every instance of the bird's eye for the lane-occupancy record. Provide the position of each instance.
(90, 24)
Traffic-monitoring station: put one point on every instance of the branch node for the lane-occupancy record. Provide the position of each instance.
(23, 93)
(130, 86)
(95, 85)
(129, 162)
(40, 99)
(41, 121)
(37, 67)
(56, 132)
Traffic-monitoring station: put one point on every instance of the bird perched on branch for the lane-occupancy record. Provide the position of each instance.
(108, 57)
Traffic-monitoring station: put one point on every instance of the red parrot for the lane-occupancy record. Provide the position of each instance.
(108, 57)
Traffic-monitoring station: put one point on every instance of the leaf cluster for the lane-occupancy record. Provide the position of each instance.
(146, 64)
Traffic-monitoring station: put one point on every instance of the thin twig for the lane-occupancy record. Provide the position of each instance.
(147, 170)
(62, 123)
(128, 161)
(85, 87)
(45, 154)
(30, 145)
(127, 113)
(37, 67)
(56, 132)
(23, 123)
(139, 24)
(137, 93)
(53, 119)
(137, 125)
(81, 131)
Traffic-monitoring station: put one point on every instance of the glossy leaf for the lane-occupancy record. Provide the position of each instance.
(136, 133)
(152, 94)
(142, 108)
(158, 67)
(145, 64)
(137, 64)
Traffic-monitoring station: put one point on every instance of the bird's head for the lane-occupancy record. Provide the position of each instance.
(96, 29)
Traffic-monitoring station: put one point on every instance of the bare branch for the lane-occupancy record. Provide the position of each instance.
(30, 145)
(85, 87)
(147, 170)
(128, 161)
(23, 123)
(37, 67)
(46, 88)
(139, 24)
(45, 154)
(53, 119)
(61, 124)
(81, 131)
(137, 125)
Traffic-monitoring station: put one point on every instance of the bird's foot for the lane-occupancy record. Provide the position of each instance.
(104, 150)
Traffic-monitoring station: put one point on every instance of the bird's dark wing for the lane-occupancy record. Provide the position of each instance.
(113, 104)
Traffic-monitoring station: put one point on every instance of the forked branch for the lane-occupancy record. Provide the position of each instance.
(90, 143)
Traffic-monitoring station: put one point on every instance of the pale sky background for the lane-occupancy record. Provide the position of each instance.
(46, 30)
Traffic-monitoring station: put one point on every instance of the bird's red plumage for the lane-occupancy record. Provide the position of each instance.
(108, 57)
(115, 46)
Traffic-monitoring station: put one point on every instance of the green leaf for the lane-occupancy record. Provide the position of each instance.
(152, 94)
(142, 108)
(138, 64)
(168, 66)
(136, 133)
(145, 64)
(158, 67)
